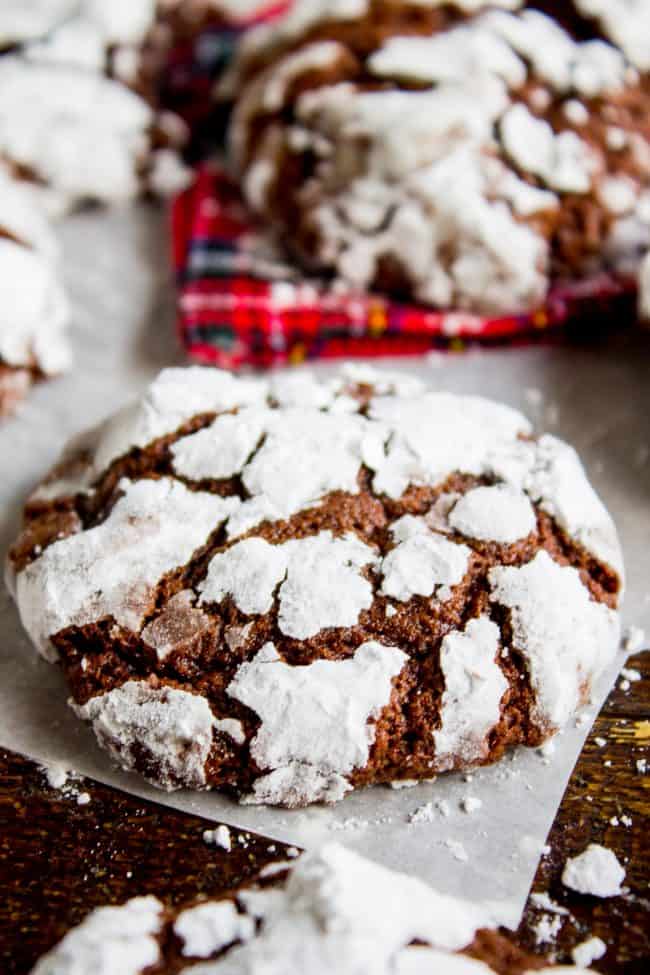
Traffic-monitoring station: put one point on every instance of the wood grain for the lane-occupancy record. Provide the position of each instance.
(59, 859)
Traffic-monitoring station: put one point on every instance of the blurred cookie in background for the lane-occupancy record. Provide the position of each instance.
(459, 155)
(33, 305)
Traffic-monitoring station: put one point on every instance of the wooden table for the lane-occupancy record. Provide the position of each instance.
(59, 859)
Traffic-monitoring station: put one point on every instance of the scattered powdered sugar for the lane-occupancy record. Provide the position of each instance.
(315, 719)
(457, 850)
(110, 941)
(587, 951)
(631, 674)
(566, 638)
(57, 774)
(474, 686)
(113, 569)
(430, 811)
(642, 765)
(547, 928)
(208, 928)
(471, 804)
(544, 902)
(596, 871)
(218, 837)
(634, 639)
(319, 580)
(172, 727)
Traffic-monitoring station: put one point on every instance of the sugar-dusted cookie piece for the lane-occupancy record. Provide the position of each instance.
(331, 910)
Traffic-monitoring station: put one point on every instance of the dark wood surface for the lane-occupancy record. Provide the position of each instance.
(59, 859)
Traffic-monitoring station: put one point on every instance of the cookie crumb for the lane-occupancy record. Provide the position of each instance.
(633, 639)
(588, 951)
(457, 850)
(547, 928)
(543, 901)
(471, 804)
(595, 871)
(631, 674)
(56, 774)
(642, 765)
(218, 837)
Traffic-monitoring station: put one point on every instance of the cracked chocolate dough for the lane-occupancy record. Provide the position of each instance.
(287, 589)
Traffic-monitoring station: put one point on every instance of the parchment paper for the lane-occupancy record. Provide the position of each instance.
(597, 397)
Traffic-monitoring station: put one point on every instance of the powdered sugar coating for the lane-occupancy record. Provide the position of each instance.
(566, 638)
(172, 727)
(550, 472)
(474, 686)
(113, 569)
(498, 513)
(174, 397)
(435, 434)
(110, 941)
(316, 715)
(207, 928)
(320, 581)
(332, 450)
(422, 563)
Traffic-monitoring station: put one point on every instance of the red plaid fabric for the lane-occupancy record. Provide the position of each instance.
(240, 303)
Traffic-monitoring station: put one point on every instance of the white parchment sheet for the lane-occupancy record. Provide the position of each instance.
(117, 273)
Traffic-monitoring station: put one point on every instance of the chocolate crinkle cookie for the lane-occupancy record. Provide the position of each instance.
(287, 589)
(330, 911)
(79, 117)
(33, 305)
(465, 154)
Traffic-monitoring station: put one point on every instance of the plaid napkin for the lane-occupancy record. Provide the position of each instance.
(240, 302)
